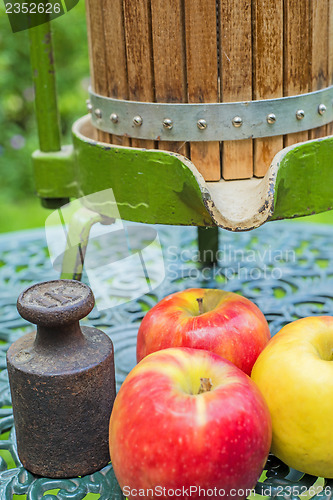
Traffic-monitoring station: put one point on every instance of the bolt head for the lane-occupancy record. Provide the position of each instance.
(271, 118)
(202, 124)
(114, 117)
(137, 120)
(321, 109)
(167, 123)
(237, 121)
(300, 114)
(98, 113)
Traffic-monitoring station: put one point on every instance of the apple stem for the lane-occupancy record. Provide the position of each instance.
(206, 385)
(200, 303)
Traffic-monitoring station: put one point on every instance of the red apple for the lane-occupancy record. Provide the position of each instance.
(186, 419)
(222, 322)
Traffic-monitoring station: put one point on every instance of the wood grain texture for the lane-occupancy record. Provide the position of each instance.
(97, 55)
(169, 58)
(319, 14)
(236, 79)
(297, 53)
(115, 55)
(267, 29)
(202, 76)
(138, 36)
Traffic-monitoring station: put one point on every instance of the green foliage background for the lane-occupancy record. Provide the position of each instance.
(19, 207)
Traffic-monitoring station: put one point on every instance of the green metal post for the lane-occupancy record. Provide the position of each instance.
(43, 73)
(208, 242)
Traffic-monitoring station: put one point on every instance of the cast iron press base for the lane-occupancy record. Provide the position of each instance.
(62, 383)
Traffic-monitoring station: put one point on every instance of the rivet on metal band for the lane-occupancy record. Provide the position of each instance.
(237, 121)
(300, 114)
(114, 117)
(98, 113)
(219, 121)
(168, 124)
(322, 109)
(202, 124)
(89, 106)
(137, 120)
(271, 118)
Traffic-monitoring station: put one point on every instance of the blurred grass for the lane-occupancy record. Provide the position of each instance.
(22, 214)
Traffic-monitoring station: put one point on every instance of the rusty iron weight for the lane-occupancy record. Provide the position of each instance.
(62, 383)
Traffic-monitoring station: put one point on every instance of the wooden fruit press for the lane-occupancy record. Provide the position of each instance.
(214, 114)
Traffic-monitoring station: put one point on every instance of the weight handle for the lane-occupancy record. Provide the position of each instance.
(53, 304)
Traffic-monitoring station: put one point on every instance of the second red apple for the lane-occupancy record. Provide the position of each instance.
(215, 320)
(188, 424)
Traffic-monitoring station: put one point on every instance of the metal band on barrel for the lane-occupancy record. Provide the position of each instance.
(227, 121)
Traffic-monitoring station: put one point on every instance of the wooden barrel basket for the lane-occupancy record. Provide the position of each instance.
(205, 53)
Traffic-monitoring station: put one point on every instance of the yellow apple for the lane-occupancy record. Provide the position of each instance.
(295, 375)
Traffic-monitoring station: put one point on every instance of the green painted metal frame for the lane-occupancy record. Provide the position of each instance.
(304, 183)
(157, 187)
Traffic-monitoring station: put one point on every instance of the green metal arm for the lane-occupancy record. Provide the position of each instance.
(43, 74)
(48, 120)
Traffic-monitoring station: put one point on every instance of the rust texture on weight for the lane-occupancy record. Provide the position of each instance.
(62, 383)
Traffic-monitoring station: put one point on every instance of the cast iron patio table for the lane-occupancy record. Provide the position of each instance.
(284, 267)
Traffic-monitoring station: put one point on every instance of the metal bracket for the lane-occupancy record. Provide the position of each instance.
(55, 176)
(212, 121)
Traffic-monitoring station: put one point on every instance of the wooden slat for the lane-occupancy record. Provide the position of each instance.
(330, 56)
(202, 75)
(96, 45)
(267, 71)
(296, 56)
(137, 17)
(115, 55)
(319, 54)
(236, 81)
(169, 58)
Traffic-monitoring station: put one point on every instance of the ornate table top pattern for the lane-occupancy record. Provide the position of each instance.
(284, 267)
